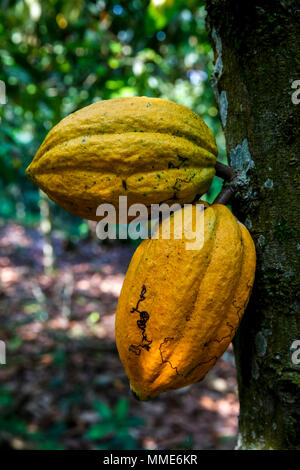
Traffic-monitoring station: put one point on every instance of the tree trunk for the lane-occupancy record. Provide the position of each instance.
(257, 63)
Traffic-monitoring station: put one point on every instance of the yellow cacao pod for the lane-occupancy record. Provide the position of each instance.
(179, 309)
(148, 149)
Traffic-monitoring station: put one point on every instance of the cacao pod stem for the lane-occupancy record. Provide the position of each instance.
(225, 172)
(232, 180)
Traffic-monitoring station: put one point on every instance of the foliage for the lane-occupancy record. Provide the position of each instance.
(58, 56)
(113, 431)
(13, 428)
(114, 427)
(61, 356)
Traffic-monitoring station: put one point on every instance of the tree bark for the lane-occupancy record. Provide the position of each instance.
(257, 62)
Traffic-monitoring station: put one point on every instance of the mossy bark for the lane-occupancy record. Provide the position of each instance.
(256, 62)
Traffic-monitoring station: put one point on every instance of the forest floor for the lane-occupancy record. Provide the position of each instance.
(63, 386)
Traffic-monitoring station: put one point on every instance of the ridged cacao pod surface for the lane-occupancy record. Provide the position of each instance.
(179, 309)
(148, 149)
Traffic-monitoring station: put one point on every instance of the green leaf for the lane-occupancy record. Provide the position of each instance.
(121, 409)
(5, 397)
(48, 444)
(115, 47)
(103, 410)
(158, 16)
(21, 74)
(14, 343)
(100, 430)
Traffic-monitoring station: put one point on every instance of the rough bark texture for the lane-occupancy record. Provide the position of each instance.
(256, 62)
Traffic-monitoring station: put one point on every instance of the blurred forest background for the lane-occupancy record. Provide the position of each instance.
(63, 386)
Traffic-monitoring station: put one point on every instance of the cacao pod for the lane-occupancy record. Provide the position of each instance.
(148, 149)
(179, 309)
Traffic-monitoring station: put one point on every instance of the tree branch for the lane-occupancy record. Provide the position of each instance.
(225, 171)
(225, 195)
(230, 177)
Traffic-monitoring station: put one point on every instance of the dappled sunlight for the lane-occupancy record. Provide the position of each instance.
(112, 285)
(62, 330)
(9, 276)
(78, 301)
(96, 284)
(14, 236)
(225, 408)
(59, 323)
(4, 261)
(108, 324)
(30, 332)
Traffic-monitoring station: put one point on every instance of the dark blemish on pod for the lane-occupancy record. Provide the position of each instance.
(141, 324)
(182, 159)
(124, 185)
(165, 361)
